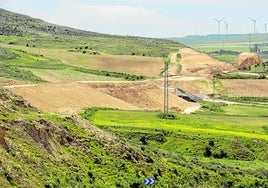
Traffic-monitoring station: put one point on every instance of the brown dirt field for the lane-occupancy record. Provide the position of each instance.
(72, 97)
(131, 64)
(200, 64)
(239, 88)
(68, 97)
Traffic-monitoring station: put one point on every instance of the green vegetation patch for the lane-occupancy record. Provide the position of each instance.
(246, 99)
(47, 150)
(116, 45)
(227, 56)
(29, 60)
(228, 141)
(250, 127)
(239, 76)
(257, 68)
(24, 30)
(7, 54)
(126, 76)
(11, 72)
(247, 110)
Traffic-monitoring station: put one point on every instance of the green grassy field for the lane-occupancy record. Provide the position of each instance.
(236, 138)
(243, 123)
(250, 127)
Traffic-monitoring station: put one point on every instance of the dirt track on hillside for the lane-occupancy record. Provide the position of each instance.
(200, 64)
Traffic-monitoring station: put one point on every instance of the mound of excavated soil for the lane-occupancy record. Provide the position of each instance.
(200, 64)
(246, 59)
(68, 97)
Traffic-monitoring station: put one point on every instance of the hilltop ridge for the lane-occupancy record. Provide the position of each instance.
(23, 25)
(28, 31)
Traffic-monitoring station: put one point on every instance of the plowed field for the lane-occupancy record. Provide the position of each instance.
(250, 88)
(68, 97)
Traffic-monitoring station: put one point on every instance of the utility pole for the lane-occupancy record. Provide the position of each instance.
(166, 87)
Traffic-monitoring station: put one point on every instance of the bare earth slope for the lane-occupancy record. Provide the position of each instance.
(72, 97)
(145, 95)
(200, 64)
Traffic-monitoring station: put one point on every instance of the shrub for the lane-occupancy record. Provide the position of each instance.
(212, 107)
(167, 116)
(220, 154)
(207, 152)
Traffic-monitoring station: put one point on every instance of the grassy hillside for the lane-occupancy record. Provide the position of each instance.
(18, 64)
(27, 31)
(44, 150)
(40, 51)
(230, 146)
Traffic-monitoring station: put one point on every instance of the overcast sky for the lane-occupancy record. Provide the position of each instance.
(151, 18)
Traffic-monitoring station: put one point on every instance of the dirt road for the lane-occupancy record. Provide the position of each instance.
(173, 67)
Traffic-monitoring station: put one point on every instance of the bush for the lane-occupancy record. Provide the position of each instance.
(239, 76)
(167, 116)
(207, 152)
(212, 107)
(220, 154)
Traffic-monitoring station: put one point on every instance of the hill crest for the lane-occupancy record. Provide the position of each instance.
(24, 25)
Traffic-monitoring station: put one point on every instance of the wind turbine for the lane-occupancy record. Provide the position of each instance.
(227, 27)
(219, 24)
(254, 23)
(265, 27)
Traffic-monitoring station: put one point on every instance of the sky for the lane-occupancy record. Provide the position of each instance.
(149, 18)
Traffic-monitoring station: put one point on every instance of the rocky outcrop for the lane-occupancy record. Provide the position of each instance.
(45, 133)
